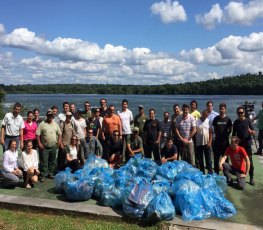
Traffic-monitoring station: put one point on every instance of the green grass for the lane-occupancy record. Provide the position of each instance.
(27, 219)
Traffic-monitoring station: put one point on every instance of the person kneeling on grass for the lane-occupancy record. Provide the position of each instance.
(115, 149)
(30, 165)
(169, 151)
(240, 163)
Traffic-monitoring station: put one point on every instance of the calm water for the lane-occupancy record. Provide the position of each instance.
(160, 102)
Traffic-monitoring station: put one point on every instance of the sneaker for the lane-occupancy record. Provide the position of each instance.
(252, 182)
(28, 186)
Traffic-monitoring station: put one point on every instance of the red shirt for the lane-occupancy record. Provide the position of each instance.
(237, 157)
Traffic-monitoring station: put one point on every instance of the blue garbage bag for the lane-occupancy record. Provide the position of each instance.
(95, 162)
(161, 186)
(161, 208)
(189, 200)
(112, 196)
(79, 190)
(61, 178)
(102, 179)
(183, 166)
(147, 169)
(167, 170)
(137, 199)
(195, 176)
(220, 182)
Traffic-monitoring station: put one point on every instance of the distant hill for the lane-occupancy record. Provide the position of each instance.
(245, 84)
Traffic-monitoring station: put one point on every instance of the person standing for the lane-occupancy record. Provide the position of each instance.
(103, 107)
(36, 117)
(222, 126)
(62, 116)
(152, 136)
(240, 163)
(194, 112)
(259, 117)
(29, 132)
(203, 138)
(49, 139)
(140, 120)
(243, 129)
(165, 128)
(185, 130)
(12, 128)
(87, 111)
(55, 114)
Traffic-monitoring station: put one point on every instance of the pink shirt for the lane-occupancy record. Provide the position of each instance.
(30, 131)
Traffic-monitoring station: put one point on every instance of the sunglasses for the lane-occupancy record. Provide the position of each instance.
(116, 135)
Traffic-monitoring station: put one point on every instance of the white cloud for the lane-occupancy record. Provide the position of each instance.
(169, 11)
(233, 13)
(70, 60)
(210, 19)
(253, 43)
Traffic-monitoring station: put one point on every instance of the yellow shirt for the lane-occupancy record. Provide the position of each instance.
(196, 115)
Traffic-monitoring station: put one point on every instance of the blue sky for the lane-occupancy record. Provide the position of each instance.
(128, 42)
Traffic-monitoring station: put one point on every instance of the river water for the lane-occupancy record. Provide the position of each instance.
(161, 103)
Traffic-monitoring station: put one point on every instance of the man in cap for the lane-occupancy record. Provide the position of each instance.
(140, 120)
(49, 139)
(134, 144)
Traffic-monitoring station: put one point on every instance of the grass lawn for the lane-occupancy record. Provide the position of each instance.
(27, 219)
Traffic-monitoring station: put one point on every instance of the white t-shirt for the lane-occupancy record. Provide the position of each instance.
(81, 126)
(126, 118)
(30, 160)
(13, 124)
(73, 152)
(202, 132)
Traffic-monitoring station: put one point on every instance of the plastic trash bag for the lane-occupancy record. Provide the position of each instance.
(61, 178)
(161, 208)
(112, 196)
(161, 186)
(103, 181)
(167, 170)
(189, 200)
(195, 176)
(147, 169)
(183, 166)
(79, 190)
(137, 199)
(220, 182)
(95, 162)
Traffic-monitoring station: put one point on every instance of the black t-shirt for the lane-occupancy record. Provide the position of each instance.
(152, 127)
(240, 129)
(94, 125)
(222, 128)
(166, 153)
(114, 147)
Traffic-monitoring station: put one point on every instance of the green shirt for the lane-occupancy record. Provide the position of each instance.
(135, 142)
(139, 122)
(48, 133)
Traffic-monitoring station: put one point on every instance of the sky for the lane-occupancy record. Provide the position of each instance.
(138, 42)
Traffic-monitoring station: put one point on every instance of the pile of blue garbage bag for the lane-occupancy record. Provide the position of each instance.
(142, 189)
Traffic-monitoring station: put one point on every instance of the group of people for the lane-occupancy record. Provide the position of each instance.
(66, 139)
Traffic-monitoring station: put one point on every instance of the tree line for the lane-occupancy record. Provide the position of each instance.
(245, 84)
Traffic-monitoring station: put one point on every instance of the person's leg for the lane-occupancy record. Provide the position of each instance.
(241, 181)
(43, 160)
(251, 170)
(227, 171)
(260, 140)
(208, 161)
(52, 161)
(199, 157)
(156, 153)
(10, 179)
(217, 154)
(29, 174)
(148, 151)
(190, 153)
